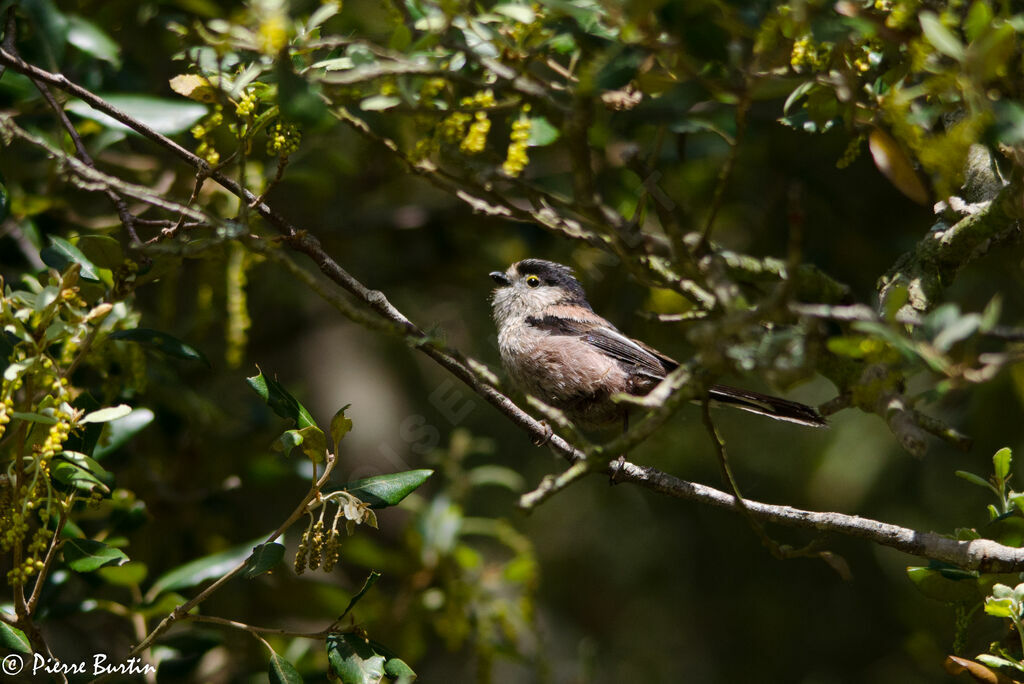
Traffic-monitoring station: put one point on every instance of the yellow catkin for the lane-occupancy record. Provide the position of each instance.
(516, 158)
(238, 321)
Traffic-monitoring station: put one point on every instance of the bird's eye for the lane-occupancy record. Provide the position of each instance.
(532, 281)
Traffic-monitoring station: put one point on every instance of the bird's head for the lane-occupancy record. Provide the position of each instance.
(530, 286)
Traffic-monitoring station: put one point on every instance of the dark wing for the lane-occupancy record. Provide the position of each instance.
(634, 356)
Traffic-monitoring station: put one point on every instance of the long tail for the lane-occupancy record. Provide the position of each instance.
(765, 405)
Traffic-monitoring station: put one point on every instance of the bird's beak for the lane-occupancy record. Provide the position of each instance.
(500, 278)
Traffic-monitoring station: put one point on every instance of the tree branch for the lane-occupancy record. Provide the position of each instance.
(934, 262)
(979, 554)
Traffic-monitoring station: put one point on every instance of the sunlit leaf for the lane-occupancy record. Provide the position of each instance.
(894, 165)
(76, 477)
(541, 132)
(379, 103)
(263, 559)
(105, 415)
(353, 660)
(521, 13)
(936, 585)
(280, 401)
(61, 253)
(132, 573)
(120, 431)
(939, 36)
(101, 250)
(93, 41)
(161, 342)
(194, 87)
(280, 671)
(202, 569)
(165, 116)
(86, 555)
(1001, 460)
(398, 669)
(974, 479)
(13, 639)
(381, 491)
(340, 426)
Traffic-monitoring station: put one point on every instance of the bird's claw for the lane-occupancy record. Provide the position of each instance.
(546, 437)
(615, 470)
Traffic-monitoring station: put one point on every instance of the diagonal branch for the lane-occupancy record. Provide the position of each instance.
(980, 554)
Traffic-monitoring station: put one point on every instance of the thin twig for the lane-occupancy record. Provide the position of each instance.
(725, 173)
(254, 629)
(730, 480)
(979, 554)
(183, 609)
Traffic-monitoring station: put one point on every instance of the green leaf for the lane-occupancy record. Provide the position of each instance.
(33, 417)
(131, 574)
(396, 668)
(202, 569)
(119, 432)
(105, 415)
(979, 18)
(163, 605)
(86, 555)
(999, 607)
(1001, 460)
(934, 584)
(797, 93)
(990, 316)
(165, 116)
(14, 639)
(324, 12)
(974, 479)
(76, 477)
(311, 439)
(381, 491)
(281, 671)
(102, 250)
(521, 13)
(353, 660)
(93, 41)
(61, 253)
(379, 103)
(264, 557)
(161, 342)
(371, 579)
(941, 37)
(280, 401)
(996, 662)
(340, 426)
(960, 329)
(892, 161)
(496, 475)
(541, 132)
(86, 463)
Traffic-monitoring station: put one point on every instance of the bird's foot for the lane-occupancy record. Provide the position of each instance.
(615, 470)
(541, 440)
